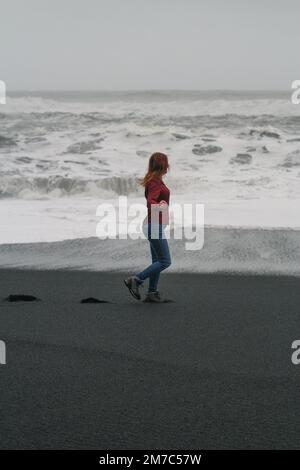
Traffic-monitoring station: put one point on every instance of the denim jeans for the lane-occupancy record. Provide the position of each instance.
(159, 252)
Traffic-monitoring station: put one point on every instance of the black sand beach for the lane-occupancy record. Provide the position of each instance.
(212, 370)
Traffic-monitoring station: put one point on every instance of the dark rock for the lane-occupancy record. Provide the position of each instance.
(296, 139)
(180, 136)
(264, 149)
(93, 300)
(6, 141)
(21, 298)
(242, 158)
(84, 147)
(292, 160)
(273, 135)
(206, 149)
(30, 140)
(24, 159)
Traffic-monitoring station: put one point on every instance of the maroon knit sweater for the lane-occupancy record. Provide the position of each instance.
(155, 192)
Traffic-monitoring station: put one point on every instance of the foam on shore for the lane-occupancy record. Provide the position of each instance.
(233, 250)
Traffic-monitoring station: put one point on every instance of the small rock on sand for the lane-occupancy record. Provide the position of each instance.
(93, 300)
(21, 298)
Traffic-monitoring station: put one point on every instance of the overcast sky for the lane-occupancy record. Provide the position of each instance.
(149, 44)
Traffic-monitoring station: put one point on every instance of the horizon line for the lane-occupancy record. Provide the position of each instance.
(148, 90)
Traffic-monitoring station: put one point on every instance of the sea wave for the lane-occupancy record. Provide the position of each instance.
(58, 186)
(55, 120)
(178, 103)
(222, 146)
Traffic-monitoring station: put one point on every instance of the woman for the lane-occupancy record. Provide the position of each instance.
(157, 195)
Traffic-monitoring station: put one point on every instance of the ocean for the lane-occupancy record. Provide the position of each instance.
(64, 153)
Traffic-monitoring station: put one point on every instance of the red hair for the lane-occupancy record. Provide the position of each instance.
(158, 166)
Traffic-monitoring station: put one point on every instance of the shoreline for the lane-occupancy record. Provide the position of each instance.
(229, 250)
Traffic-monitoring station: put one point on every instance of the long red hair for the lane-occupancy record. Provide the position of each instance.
(158, 166)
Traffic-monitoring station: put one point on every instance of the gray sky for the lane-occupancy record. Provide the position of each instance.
(149, 44)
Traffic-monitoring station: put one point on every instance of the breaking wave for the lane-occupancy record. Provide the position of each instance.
(58, 186)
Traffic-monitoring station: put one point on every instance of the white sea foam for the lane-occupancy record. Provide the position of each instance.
(225, 250)
(61, 154)
(180, 103)
(48, 220)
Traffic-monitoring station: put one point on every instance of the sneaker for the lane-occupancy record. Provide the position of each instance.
(133, 285)
(155, 298)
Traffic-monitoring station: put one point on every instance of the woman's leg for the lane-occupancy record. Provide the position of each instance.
(154, 278)
(161, 249)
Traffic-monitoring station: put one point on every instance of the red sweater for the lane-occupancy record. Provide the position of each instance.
(155, 192)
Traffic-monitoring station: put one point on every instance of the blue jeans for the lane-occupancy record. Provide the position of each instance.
(159, 252)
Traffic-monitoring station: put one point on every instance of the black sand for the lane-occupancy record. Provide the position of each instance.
(212, 370)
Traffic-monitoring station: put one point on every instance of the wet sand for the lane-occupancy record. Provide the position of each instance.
(212, 370)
